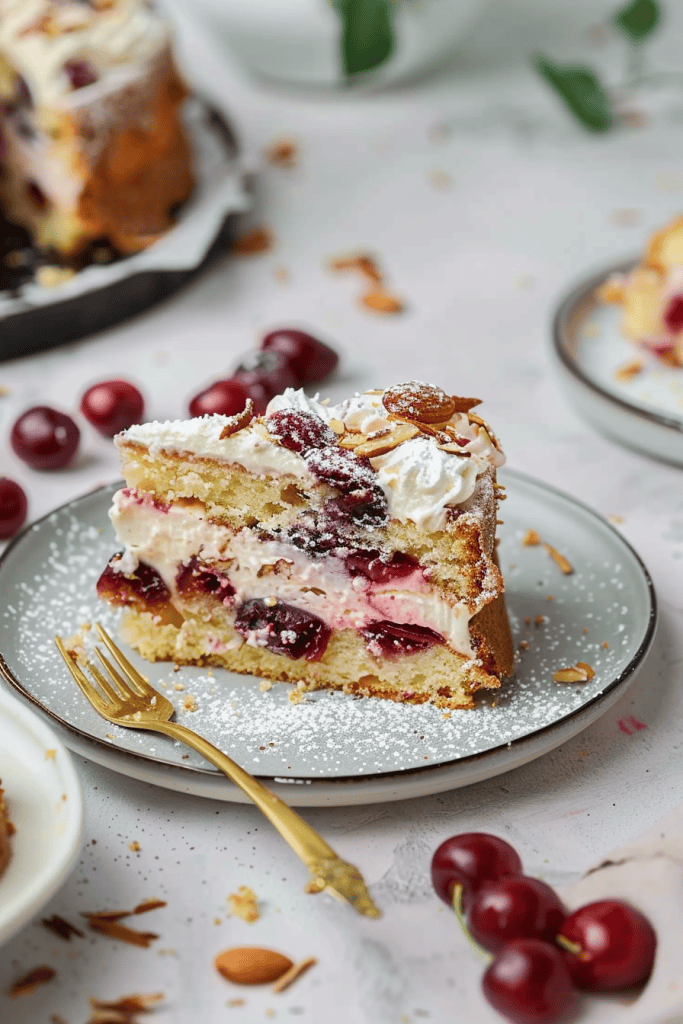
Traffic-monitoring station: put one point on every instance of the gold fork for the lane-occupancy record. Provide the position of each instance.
(126, 698)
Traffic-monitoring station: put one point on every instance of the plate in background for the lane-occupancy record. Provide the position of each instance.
(334, 749)
(44, 803)
(644, 412)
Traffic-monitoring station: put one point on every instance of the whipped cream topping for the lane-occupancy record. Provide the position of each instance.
(38, 37)
(419, 479)
(167, 537)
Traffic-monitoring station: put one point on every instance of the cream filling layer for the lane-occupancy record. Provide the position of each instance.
(166, 537)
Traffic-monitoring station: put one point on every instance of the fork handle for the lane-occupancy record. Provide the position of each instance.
(302, 838)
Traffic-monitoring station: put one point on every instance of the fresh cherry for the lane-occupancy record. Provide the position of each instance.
(264, 375)
(470, 860)
(617, 946)
(112, 405)
(225, 397)
(13, 507)
(528, 982)
(299, 431)
(673, 314)
(283, 629)
(310, 359)
(45, 438)
(514, 907)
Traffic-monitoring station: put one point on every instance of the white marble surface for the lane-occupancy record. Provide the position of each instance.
(481, 263)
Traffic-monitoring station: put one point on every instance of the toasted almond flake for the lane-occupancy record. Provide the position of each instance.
(559, 560)
(28, 982)
(120, 932)
(363, 263)
(147, 905)
(294, 972)
(605, 644)
(382, 301)
(585, 667)
(50, 754)
(550, 597)
(254, 242)
(244, 904)
(283, 153)
(352, 440)
(337, 427)
(570, 675)
(107, 915)
(129, 1004)
(238, 421)
(454, 449)
(629, 370)
(530, 539)
(374, 447)
(58, 926)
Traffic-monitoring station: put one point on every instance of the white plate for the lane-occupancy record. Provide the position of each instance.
(44, 802)
(334, 749)
(645, 412)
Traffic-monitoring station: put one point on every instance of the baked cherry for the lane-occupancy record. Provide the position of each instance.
(112, 405)
(514, 907)
(529, 983)
(225, 397)
(673, 314)
(617, 946)
(390, 639)
(80, 73)
(264, 375)
(300, 431)
(283, 629)
(45, 438)
(13, 507)
(469, 860)
(143, 588)
(310, 359)
(379, 569)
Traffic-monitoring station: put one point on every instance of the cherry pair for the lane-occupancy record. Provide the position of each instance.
(540, 951)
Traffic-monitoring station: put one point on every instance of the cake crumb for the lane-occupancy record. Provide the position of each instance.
(617, 520)
(283, 153)
(179, 687)
(244, 904)
(134, 846)
(254, 242)
(629, 370)
(282, 274)
(540, 620)
(524, 644)
(4, 390)
(216, 920)
(564, 565)
(190, 703)
(50, 754)
(440, 178)
(530, 539)
(265, 685)
(236, 1002)
(446, 714)
(585, 630)
(605, 644)
(550, 597)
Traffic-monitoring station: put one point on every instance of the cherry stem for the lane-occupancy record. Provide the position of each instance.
(569, 946)
(457, 909)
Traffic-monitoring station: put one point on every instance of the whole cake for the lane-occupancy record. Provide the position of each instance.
(5, 833)
(91, 142)
(652, 296)
(348, 547)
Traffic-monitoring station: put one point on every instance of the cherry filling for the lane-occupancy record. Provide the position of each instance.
(283, 629)
(374, 567)
(391, 639)
(196, 578)
(143, 587)
(673, 314)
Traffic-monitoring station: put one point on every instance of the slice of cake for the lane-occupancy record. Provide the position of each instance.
(91, 143)
(348, 547)
(652, 296)
(6, 831)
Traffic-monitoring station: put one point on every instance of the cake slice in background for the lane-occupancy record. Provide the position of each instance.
(5, 832)
(93, 148)
(652, 296)
(348, 547)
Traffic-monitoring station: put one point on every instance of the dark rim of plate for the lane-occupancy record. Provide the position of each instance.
(398, 773)
(575, 306)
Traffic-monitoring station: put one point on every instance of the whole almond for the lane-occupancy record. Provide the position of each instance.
(251, 965)
(417, 401)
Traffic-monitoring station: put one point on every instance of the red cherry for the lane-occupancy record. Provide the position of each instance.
(13, 507)
(45, 438)
(528, 982)
(264, 375)
(470, 859)
(112, 405)
(673, 314)
(617, 943)
(515, 907)
(309, 359)
(80, 73)
(225, 397)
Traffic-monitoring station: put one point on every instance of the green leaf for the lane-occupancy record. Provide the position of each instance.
(638, 19)
(581, 90)
(367, 33)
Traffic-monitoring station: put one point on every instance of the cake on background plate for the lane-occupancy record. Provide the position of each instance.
(348, 547)
(652, 296)
(92, 147)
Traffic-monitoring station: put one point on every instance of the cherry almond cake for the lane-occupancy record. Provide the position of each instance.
(347, 547)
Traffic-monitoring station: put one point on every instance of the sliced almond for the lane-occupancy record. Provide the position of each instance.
(238, 421)
(294, 972)
(565, 566)
(570, 675)
(115, 930)
(374, 447)
(26, 984)
(352, 440)
(454, 449)
(585, 667)
(251, 965)
(363, 263)
(531, 539)
(252, 243)
(629, 370)
(337, 427)
(382, 301)
(134, 1004)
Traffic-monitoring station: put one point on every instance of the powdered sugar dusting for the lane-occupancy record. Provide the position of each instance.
(47, 586)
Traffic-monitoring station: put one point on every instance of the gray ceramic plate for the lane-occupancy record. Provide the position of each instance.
(334, 749)
(644, 412)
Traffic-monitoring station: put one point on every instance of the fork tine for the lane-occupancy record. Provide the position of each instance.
(84, 684)
(132, 674)
(124, 690)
